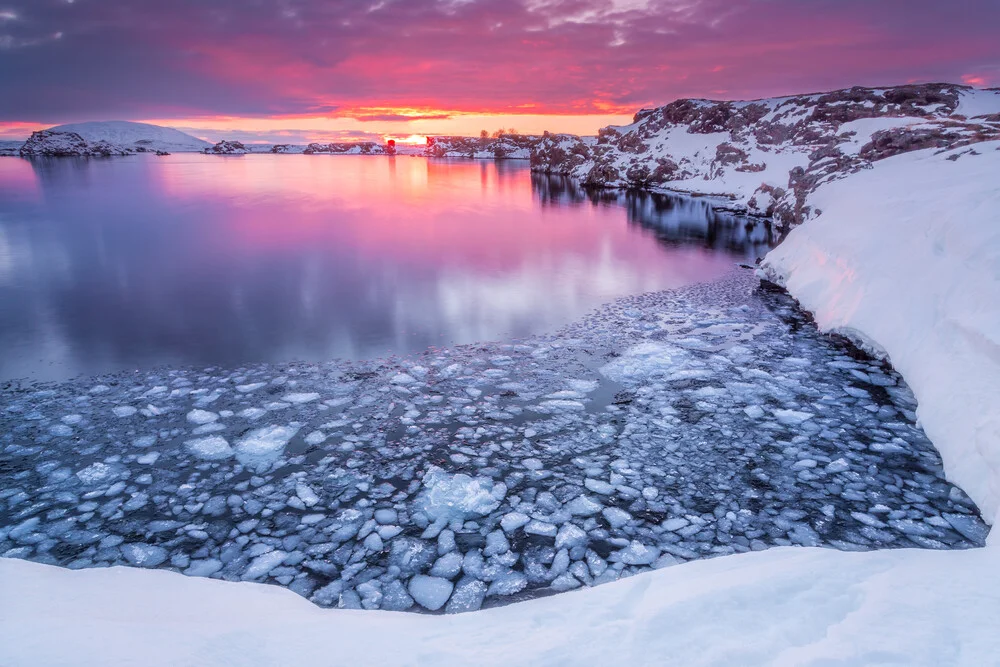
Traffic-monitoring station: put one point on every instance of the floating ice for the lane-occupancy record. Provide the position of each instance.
(123, 411)
(263, 564)
(263, 446)
(212, 448)
(430, 592)
(459, 496)
(644, 361)
(792, 417)
(144, 555)
(299, 398)
(201, 416)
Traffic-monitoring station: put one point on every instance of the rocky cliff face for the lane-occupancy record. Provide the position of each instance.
(767, 156)
(49, 143)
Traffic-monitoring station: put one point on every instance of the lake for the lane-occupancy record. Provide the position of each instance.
(193, 260)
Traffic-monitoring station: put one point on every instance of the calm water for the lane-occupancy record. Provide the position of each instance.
(108, 265)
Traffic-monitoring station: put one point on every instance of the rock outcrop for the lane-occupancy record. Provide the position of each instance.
(505, 147)
(345, 148)
(228, 148)
(50, 143)
(767, 156)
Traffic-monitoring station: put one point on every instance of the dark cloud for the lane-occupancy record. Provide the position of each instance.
(64, 60)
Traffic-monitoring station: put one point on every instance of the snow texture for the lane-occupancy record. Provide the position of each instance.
(779, 608)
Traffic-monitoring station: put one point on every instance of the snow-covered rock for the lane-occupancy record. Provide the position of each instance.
(51, 143)
(504, 147)
(141, 137)
(347, 148)
(767, 156)
(227, 148)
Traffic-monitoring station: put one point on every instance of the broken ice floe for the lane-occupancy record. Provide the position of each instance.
(663, 428)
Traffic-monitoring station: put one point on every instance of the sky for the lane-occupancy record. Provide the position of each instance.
(297, 70)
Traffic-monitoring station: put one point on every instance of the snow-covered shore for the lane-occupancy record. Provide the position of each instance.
(787, 606)
(904, 259)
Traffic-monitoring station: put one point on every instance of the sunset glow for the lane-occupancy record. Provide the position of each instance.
(303, 70)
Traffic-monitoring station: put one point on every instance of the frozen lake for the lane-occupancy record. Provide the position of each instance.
(192, 260)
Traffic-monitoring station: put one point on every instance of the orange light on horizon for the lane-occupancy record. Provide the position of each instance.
(413, 139)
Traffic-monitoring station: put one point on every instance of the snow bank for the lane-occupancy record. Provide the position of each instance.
(905, 258)
(785, 606)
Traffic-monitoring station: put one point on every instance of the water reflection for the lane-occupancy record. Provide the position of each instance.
(128, 263)
(675, 220)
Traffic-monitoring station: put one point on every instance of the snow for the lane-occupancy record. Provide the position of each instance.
(903, 259)
(135, 135)
(782, 607)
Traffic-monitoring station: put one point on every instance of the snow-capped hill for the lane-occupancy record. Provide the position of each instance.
(48, 143)
(768, 155)
(143, 137)
(227, 148)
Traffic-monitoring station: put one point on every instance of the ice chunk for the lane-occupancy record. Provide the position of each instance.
(496, 543)
(448, 566)
(970, 527)
(253, 413)
(123, 411)
(203, 568)
(263, 564)
(536, 527)
(395, 597)
(508, 584)
(263, 446)
(211, 448)
(468, 596)
(598, 486)
(144, 441)
(95, 472)
(840, 465)
(447, 497)
(616, 517)
(247, 388)
(315, 438)
(306, 494)
(570, 536)
(430, 592)
(300, 397)
(792, 417)
(644, 361)
(61, 430)
(201, 416)
(637, 553)
(514, 520)
(144, 555)
(583, 506)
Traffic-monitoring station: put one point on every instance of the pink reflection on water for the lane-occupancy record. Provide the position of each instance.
(18, 180)
(421, 212)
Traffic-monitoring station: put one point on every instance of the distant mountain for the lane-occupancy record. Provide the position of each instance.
(135, 135)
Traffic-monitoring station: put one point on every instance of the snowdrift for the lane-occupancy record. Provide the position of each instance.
(785, 606)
